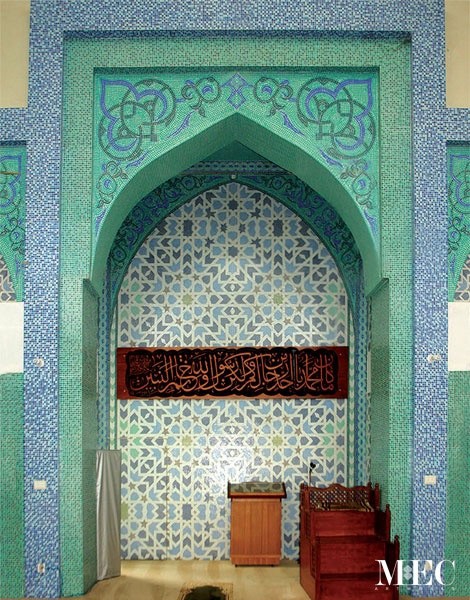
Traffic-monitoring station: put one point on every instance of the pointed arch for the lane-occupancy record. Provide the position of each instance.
(266, 143)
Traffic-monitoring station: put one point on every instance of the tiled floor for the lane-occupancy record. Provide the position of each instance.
(162, 580)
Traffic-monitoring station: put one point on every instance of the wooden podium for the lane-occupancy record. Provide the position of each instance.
(255, 537)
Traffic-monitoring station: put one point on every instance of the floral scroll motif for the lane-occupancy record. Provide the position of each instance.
(132, 116)
(205, 90)
(336, 117)
(273, 92)
(343, 121)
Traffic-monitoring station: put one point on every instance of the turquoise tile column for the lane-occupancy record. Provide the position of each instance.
(11, 486)
(458, 484)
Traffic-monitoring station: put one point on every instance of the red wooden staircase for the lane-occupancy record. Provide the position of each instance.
(343, 533)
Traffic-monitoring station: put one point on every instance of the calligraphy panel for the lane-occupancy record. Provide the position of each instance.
(251, 372)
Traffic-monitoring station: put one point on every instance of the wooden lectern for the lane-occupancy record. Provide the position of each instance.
(255, 537)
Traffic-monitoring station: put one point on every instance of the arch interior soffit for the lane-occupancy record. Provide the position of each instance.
(275, 182)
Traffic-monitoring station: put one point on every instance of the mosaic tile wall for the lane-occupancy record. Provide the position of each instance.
(231, 267)
(432, 125)
(11, 385)
(458, 448)
(393, 58)
(268, 178)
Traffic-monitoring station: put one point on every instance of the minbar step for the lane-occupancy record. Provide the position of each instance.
(355, 587)
(349, 554)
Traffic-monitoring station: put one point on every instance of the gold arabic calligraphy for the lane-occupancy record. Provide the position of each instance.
(223, 372)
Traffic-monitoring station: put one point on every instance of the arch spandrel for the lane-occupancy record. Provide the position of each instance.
(320, 127)
(12, 213)
(458, 197)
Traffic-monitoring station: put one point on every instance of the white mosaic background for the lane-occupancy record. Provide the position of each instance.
(231, 267)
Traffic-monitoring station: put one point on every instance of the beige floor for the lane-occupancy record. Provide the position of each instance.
(162, 580)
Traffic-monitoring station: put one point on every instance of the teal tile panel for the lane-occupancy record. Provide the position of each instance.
(11, 486)
(458, 482)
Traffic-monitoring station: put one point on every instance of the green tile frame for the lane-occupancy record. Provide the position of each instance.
(392, 58)
(11, 486)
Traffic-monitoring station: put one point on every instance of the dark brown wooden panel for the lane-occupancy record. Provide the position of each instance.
(260, 372)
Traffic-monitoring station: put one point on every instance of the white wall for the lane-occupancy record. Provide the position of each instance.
(11, 337)
(459, 336)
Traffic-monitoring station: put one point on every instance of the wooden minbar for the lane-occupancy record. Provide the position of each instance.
(343, 533)
(255, 536)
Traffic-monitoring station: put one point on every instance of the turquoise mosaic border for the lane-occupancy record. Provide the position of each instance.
(12, 543)
(458, 490)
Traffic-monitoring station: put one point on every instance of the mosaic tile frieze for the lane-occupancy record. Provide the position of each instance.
(458, 182)
(230, 267)
(12, 213)
(332, 115)
(294, 193)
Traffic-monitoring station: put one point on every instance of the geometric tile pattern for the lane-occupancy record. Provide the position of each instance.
(105, 379)
(360, 367)
(12, 212)
(178, 456)
(231, 267)
(111, 400)
(275, 182)
(351, 421)
(7, 292)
